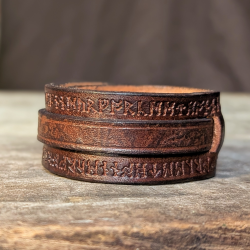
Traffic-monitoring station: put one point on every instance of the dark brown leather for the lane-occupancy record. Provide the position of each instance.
(131, 102)
(120, 169)
(125, 137)
(152, 125)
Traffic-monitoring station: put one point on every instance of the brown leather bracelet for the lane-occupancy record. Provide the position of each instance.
(109, 168)
(151, 122)
(124, 137)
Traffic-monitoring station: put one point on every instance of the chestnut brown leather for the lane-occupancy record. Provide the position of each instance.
(158, 128)
(125, 137)
(131, 102)
(108, 168)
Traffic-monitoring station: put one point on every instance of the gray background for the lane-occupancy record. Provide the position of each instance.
(174, 42)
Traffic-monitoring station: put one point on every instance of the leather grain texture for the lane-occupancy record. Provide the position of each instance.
(128, 150)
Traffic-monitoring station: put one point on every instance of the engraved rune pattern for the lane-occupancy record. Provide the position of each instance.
(95, 166)
(137, 109)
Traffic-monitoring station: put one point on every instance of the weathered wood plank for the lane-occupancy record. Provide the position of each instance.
(39, 210)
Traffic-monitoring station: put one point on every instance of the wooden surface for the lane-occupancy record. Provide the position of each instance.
(39, 210)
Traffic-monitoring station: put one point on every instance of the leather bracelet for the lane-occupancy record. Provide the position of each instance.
(161, 137)
(109, 168)
(131, 102)
(156, 127)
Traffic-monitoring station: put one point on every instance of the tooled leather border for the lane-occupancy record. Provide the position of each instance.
(108, 168)
(132, 106)
(159, 137)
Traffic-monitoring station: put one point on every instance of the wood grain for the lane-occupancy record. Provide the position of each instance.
(39, 210)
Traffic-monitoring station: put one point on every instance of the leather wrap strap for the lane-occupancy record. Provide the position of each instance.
(123, 137)
(130, 134)
(130, 102)
(109, 168)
